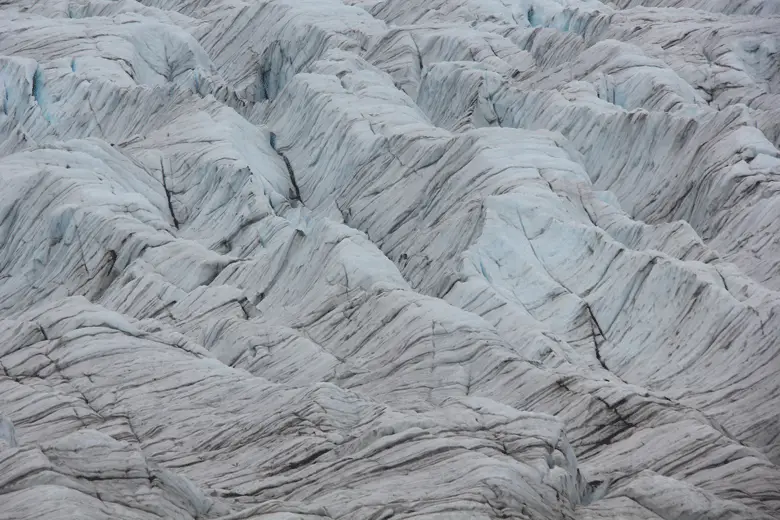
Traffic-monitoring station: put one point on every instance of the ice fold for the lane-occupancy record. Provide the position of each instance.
(389, 259)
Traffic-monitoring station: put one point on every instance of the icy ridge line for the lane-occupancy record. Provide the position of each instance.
(373, 259)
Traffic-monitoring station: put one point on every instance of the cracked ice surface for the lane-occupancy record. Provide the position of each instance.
(380, 259)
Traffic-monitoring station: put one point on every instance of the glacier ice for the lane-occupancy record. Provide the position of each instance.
(372, 259)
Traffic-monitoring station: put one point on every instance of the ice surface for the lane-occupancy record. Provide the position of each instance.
(378, 259)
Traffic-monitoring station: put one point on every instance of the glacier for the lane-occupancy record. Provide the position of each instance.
(374, 259)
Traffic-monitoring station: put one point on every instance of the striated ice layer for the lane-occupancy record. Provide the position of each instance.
(373, 259)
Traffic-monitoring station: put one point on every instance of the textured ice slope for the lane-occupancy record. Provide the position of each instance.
(444, 259)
